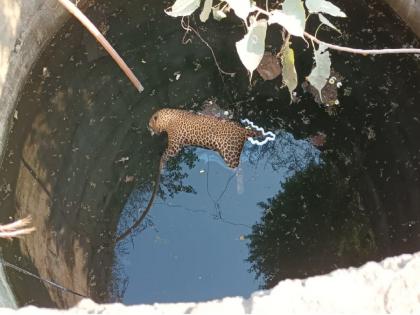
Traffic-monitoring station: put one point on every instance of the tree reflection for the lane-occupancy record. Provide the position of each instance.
(313, 225)
(171, 183)
(285, 154)
(174, 175)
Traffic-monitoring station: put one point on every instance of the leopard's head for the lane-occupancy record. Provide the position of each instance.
(159, 121)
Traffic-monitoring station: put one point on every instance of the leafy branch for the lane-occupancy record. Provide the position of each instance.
(292, 18)
(358, 51)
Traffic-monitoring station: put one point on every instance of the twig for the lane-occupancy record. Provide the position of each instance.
(187, 27)
(102, 40)
(365, 51)
(349, 49)
(16, 229)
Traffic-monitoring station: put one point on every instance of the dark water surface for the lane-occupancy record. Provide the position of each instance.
(81, 161)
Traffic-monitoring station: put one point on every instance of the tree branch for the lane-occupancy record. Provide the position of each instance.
(349, 49)
(365, 51)
(102, 40)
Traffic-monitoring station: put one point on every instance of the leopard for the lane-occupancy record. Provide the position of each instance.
(185, 128)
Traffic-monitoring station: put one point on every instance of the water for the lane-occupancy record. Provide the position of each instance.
(82, 162)
(208, 257)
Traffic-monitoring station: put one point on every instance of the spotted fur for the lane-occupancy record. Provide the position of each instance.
(188, 129)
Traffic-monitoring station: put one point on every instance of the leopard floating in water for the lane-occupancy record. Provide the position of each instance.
(188, 129)
(185, 128)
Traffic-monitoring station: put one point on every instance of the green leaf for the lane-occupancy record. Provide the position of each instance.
(205, 13)
(241, 7)
(325, 21)
(183, 7)
(322, 70)
(315, 6)
(292, 17)
(251, 47)
(218, 14)
(289, 72)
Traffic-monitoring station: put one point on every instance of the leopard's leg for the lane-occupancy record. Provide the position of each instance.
(171, 151)
(232, 162)
(231, 150)
(174, 146)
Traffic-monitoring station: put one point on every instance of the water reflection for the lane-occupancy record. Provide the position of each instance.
(193, 247)
(170, 183)
(314, 204)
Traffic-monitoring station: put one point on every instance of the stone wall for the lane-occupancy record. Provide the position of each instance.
(25, 29)
(390, 286)
(409, 11)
